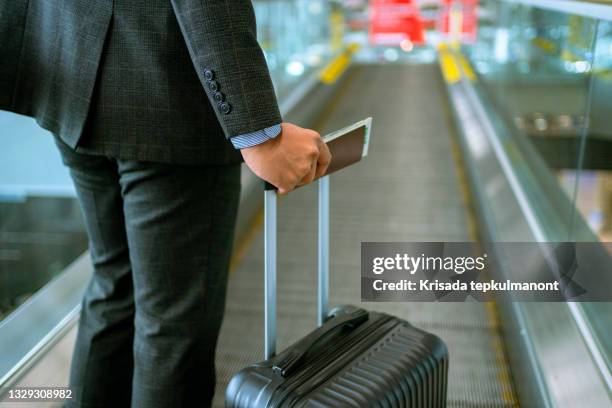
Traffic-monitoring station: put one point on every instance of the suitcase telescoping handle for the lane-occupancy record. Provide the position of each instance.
(270, 262)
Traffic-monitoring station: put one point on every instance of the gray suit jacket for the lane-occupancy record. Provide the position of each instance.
(156, 80)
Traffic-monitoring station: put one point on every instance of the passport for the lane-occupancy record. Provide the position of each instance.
(348, 145)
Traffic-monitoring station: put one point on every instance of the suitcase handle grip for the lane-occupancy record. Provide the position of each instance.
(289, 363)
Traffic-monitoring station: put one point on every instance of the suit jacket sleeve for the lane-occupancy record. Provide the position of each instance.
(222, 40)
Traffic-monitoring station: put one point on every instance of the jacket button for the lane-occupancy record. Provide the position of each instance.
(213, 86)
(219, 97)
(225, 107)
(209, 74)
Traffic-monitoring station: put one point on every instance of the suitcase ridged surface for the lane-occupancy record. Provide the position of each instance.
(399, 371)
(384, 363)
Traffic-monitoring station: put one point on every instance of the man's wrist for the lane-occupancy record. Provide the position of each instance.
(255, 138)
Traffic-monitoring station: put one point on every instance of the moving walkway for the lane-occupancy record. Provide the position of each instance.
(407, 189)
(449, 161)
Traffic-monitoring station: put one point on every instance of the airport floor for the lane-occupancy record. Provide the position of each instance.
(409, 188)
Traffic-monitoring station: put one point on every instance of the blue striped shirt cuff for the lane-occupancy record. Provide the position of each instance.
(255, 138)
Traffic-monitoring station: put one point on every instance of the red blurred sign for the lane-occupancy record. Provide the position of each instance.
(394, 21)
(458, 18)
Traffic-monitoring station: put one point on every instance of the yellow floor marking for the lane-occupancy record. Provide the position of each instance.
(335, 68)
(450, 68)
(338, 65)
(466, 67)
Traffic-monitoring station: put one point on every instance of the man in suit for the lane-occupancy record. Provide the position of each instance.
(153, 104)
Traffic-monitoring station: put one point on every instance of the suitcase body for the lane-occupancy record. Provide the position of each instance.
(355, 358)
(380, 362)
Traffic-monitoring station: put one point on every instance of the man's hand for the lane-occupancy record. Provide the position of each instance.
(295, 157)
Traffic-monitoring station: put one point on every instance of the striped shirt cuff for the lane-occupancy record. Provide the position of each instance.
(255, 138)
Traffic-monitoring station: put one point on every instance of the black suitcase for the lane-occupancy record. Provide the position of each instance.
(355, 358)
